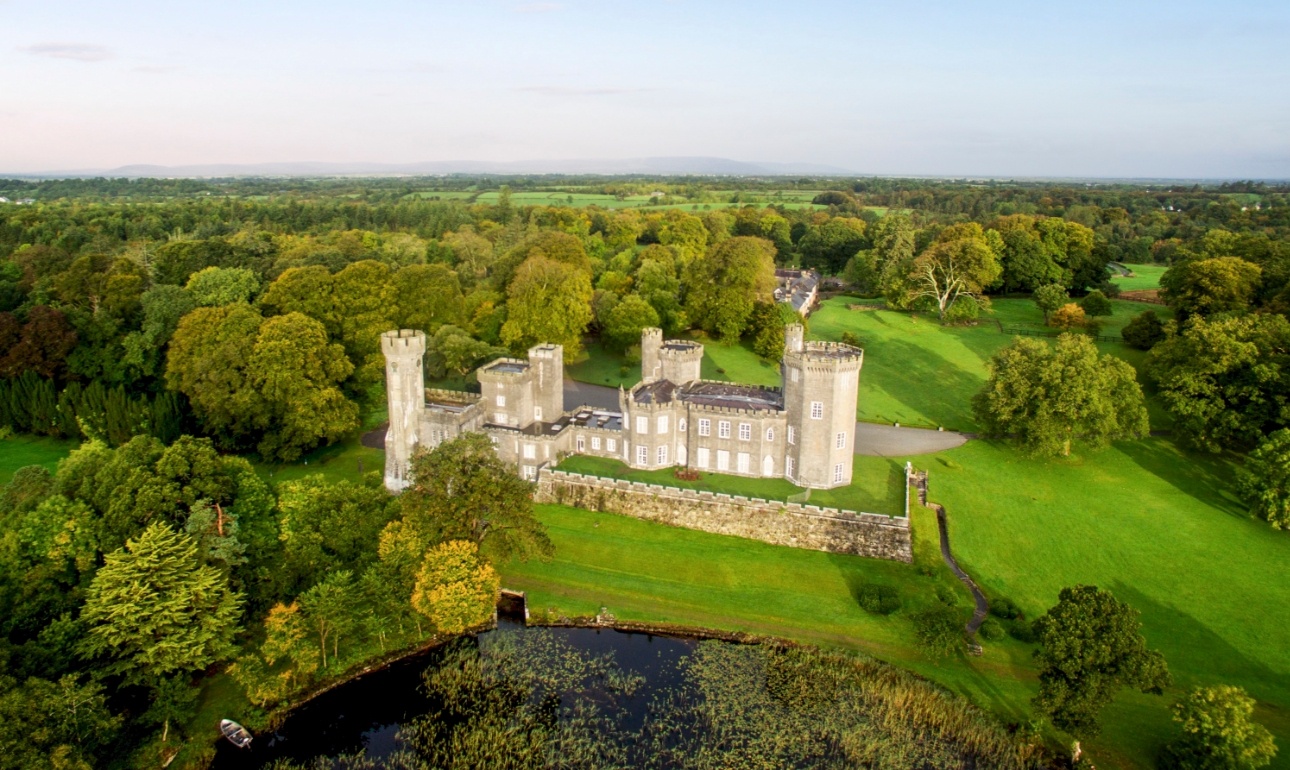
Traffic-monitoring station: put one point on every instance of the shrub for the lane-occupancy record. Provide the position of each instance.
(1095, 303)
(1144, 331)
(939, 630)
(851, 338)
(992, 630)
(1004, 608)
(1067, 317)
(945, 594)
(1022, 631)
(878, 599)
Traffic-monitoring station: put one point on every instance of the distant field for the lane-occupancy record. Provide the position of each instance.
(737, 364)
(1145, 277)
(578, 198)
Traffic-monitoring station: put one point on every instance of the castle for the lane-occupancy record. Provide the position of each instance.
(802, 431)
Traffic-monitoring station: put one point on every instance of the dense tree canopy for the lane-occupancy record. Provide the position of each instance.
(727, 281)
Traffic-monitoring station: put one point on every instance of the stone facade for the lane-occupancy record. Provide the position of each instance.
(800, 526)
(802, 431)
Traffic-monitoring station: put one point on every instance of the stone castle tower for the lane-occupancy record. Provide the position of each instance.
(406, 398)
(821, 380)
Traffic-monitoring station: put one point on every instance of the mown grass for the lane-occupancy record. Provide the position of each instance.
(1144, 277)
(917, 372)
(346, 460)
(878, 483)
(20, 451)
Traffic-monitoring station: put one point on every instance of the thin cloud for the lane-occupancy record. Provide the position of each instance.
(564, 91)
(74, 51)
(156, 69)
(539, 7)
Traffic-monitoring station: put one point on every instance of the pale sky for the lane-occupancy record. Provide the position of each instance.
(1121, 89)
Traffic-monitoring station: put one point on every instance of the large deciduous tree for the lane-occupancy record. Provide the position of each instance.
(959, 267)
(1264, 482)
(548, 301)
(463, 491)
(1218, 732)
(455, 587)
(155, 610)
(622, 325)
(215, 286)
(1046, 398)
(1049, 297)
(1226, 382)
(208, 362)
(1209, 286)
(828, 246)
(1091, 646)
(724, 284)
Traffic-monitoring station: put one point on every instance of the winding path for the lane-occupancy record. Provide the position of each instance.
(982, 606)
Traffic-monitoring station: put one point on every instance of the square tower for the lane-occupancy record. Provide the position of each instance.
(405, 393)
(546, 361)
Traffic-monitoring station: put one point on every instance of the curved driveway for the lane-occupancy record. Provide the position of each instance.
(873, 440)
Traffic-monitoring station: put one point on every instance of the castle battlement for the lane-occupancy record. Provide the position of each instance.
(403, 342)
(504, 368)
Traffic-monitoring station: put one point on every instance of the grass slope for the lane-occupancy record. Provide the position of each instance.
(20, 451)
(726, 363)
(917, 372)
(1144, 277)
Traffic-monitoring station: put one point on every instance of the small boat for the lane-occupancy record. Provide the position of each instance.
(236, 734)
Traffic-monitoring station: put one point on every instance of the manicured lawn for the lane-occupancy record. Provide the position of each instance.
(347, 460)
(878, 483)
(1144, 277)
(917, 372)
(727, 363)
(1161, 529)
(21, 451)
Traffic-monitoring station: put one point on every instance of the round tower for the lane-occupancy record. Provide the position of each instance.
(651, 346)
(405, 392)
(821, 380)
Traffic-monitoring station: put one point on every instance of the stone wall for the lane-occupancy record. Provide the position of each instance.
(791, 524)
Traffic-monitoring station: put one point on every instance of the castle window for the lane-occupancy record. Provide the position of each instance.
(842, 440)
(529, 473)
(582, 444)
(394, 367)
(837, 473)
(792, 435)
(642, 455)
(788, 467)
(537, 413)
(701, 457)
(501, 400)
(680, 425)
(723, 429)
(723, 460)
(662, 424)
(817, 410)
(745, 431)
(530, 451)
(662, 455)
(499, 418)
(595, 443)
(792, 374)
(705, 427)
(742, 462)
(612, 445)
(770, 434)
(642, 425)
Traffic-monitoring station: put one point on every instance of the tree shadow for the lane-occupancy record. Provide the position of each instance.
(1208, 478)
(931, 384)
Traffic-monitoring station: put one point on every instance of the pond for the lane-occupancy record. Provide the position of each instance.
(519, 697)
(364, 716)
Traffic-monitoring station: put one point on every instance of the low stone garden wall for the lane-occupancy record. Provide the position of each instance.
(791, 524)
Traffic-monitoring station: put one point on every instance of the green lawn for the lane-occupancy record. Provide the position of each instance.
(917, 372)
(728, 363)
(1160, 528)
(21, 451)
(878, 483)
(1144, 277)
(347, 460)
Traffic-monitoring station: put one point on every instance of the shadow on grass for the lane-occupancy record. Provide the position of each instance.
(941, 390)
(1207, 478)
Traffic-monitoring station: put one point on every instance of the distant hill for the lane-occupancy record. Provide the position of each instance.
(651, 166)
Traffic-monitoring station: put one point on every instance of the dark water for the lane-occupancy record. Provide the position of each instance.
(365, 715)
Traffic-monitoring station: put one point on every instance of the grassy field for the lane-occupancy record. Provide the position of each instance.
(1144, 277)
(917, 372)
(878, 483)
(21, 451)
